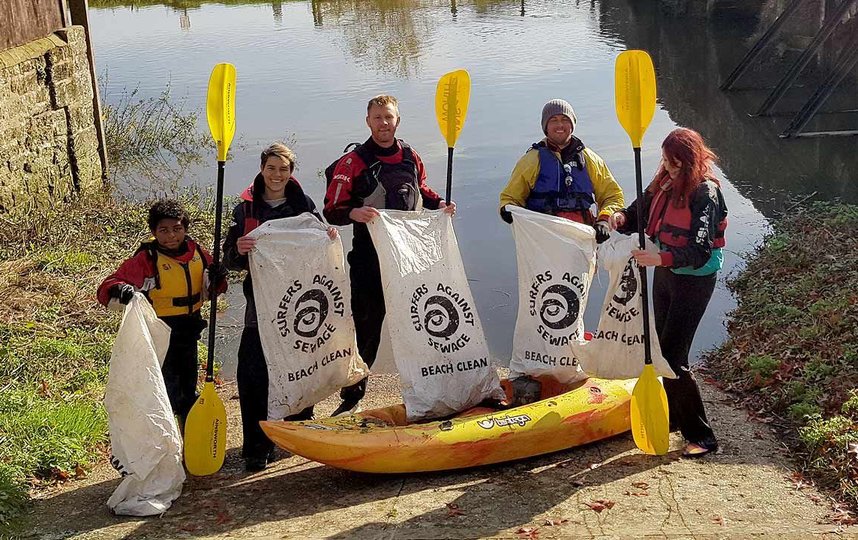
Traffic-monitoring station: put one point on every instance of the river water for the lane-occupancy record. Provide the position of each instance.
(307, 68)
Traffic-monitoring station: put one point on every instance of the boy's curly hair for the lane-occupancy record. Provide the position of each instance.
(167, 209)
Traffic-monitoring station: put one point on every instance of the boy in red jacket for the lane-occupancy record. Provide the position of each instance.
(176, 275)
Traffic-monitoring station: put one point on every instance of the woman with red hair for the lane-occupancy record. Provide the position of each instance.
(685, 215)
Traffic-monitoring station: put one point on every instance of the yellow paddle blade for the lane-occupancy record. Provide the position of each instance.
(220, 107)
(451, 104)
(634, 93)
(650, 420)
(205, 434)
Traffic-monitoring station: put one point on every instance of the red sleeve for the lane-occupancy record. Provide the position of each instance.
(338, 197)
(133, 271)
(431, 199)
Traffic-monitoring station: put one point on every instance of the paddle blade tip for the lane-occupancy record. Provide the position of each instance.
(650, 417)
(220, 107)
(635, 93)
(452, 96)
(205, 434)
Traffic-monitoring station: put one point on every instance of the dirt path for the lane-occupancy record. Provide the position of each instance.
(608, 489)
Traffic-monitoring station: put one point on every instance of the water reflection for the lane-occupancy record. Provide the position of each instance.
(386, 34)
(691, 61)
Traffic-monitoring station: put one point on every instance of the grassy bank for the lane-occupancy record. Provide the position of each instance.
(793, 347)
(55, 340)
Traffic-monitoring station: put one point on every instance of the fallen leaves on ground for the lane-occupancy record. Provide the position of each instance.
(601, 504)
(799, 481)
(642, 486)
(840, 515)
(453, 510)
(528, 532)
(550, 522)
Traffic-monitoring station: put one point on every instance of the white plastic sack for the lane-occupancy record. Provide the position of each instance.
(438, 342)
(303, 306)
(617, 348)
(144, 437)
(556, 258)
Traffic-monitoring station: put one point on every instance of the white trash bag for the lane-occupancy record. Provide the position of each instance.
(303, 306)
(617, 348)
(556, 258)
(144, 437)
(438, 342)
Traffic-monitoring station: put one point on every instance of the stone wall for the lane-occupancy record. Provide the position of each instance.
(48, 140)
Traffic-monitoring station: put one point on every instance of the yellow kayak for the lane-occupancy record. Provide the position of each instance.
(380, 440)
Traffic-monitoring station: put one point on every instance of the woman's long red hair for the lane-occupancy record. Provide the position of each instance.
(687, 146)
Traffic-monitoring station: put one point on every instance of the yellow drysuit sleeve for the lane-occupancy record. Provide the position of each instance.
(522, 180)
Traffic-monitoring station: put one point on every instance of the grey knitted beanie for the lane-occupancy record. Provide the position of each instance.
(557, 106)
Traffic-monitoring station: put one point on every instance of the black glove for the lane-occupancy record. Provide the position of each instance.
(122, 292)
(217, 276)
(506, 215)
(603, 231)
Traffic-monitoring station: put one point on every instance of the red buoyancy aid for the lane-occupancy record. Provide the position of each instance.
(671, 226)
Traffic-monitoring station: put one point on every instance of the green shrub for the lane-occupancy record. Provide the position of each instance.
(763, 366)
(802, 410)
(67, 263)
(836, 432)
(817, 369)
(850, 406)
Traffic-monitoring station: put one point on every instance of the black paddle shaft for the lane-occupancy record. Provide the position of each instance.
(216, 261)
(642, 243)
(449, 173)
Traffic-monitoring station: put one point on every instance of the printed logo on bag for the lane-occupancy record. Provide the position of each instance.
(302, 318)
(557, 304)
(628, 284)
(623, 308)
(619, 308)
(517, 420)
(446, 318)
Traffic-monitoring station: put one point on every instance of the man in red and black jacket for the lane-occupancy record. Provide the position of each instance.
(383, 172)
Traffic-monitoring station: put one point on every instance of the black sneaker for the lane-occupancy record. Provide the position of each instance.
(255, 464)
(348, 406)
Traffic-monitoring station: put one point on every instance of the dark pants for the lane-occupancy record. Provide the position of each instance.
(679, 302)
(181, 367)
(367, 311)
(252, 377)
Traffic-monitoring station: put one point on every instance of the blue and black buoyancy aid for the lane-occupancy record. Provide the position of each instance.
(562, 188)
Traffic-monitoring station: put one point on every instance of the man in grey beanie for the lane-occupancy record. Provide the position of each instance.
(560, 176)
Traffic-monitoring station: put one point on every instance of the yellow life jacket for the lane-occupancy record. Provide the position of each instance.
(180, 285)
